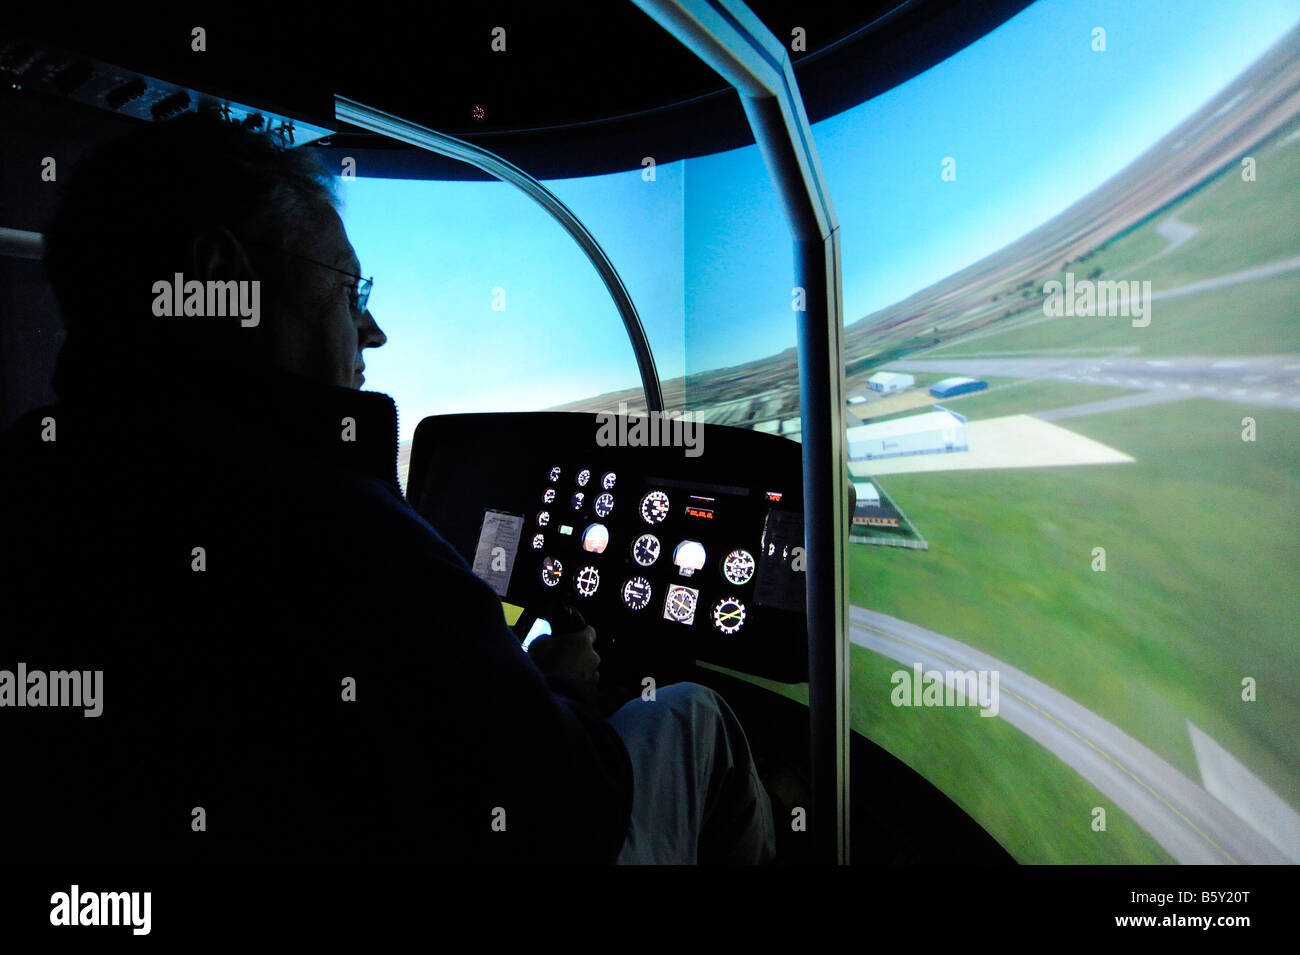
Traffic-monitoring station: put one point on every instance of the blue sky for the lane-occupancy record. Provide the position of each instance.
(1034, 118)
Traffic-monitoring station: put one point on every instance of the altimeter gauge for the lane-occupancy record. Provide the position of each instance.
(645, 550)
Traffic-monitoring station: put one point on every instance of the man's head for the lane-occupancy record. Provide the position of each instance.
(214, 202)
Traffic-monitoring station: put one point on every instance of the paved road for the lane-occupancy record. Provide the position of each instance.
(1188, 822)
(1269, 380)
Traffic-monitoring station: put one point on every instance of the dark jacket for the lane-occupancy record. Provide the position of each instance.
(225, 670)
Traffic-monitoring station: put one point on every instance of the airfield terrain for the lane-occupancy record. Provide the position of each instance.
(1174, 448)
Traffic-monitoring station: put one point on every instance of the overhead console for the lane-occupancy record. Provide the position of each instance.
(673, 552)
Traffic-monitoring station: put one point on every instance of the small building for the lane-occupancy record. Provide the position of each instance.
(873, 515)
(952, 387)
(856, 399)
(867, 493)
(888, 381)
(934, 432)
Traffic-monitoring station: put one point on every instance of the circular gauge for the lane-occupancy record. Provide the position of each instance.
(577, 500)
(595, 538)
(607, 482)
(604, 504)
(637, 593)
(555, 475)
(680, 605)
(688, 557)
(583, 477)
(552, 571)
(729, 615)
(645, 550)
(543, 518)
(587, 581)
(738, 566)
(654, 507)
(548, 496)
(538, 541)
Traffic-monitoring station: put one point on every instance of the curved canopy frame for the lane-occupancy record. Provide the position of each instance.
(733, 41)
(727, 36)
(377, 121)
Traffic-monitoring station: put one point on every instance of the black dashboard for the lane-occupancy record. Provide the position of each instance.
(688, 548)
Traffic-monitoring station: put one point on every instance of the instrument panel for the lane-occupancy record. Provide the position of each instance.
(671, 556)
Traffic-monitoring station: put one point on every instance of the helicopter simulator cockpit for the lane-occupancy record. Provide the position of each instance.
(920, 377)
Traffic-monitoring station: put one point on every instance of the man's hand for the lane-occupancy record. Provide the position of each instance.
(568, 654)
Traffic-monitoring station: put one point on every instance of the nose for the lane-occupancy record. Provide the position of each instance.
(369, 334)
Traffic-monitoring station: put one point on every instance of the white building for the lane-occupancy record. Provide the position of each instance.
(887, 381)
(867, 493)
(934, 432)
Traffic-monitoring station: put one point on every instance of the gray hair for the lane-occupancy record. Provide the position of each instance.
(131, 208)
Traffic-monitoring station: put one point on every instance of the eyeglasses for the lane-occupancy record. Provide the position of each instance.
(360, 294)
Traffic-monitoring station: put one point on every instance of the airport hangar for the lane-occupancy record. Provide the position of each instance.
(887, 381)
(952, 387)
(934, 432)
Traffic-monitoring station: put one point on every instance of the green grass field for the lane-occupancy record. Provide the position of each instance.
(1034, 805)
(1198, 592)
(1200, 535)
(1253, 318)
(1241, 225)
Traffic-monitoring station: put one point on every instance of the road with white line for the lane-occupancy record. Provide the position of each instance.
(1181, 816)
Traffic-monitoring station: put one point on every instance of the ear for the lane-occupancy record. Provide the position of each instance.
(215, 253)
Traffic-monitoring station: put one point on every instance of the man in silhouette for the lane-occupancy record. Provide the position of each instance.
(293, 664)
